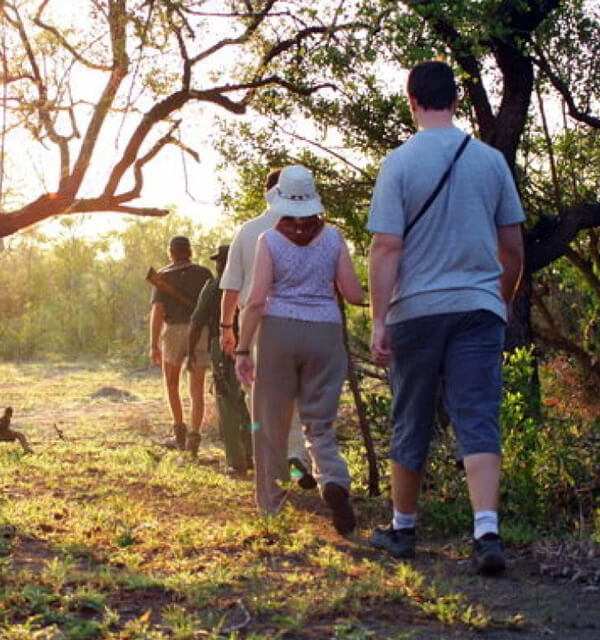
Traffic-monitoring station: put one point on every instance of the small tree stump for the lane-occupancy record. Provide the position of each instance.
(10, 435)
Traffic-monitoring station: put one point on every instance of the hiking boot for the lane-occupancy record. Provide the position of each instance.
(192, 443)
(300, 474)
(178, 440)
(488, 554)
(235, 472)
(399, 543)
(337, 500)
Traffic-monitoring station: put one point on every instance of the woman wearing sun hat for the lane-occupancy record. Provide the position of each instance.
(301, 356)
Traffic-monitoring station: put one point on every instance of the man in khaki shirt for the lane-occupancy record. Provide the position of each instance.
(235, 282)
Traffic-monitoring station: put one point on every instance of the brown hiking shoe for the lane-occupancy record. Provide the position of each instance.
(337, 500)
(192, 443)
(177, 441)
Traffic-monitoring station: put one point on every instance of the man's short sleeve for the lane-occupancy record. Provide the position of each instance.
(233, 276)
(509, 210)
(387, 210)
(206, 298)
(157, 296)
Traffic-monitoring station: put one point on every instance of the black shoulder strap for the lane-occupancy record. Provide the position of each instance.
(438, 187)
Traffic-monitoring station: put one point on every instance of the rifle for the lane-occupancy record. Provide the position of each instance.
(155, 279)
(222, 386)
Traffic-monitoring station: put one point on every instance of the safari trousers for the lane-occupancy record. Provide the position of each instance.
(304, 364)
(296, 445)
(234, 419)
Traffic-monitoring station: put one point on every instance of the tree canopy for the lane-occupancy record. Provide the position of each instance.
(529, 76)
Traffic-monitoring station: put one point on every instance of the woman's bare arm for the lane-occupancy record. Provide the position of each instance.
(346, 278)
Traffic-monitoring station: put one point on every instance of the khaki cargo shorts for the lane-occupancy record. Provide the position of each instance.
(174, 344)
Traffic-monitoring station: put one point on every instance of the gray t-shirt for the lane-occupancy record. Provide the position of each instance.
(449, 260)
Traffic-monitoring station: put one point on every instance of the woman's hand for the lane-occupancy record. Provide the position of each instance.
(244, 370)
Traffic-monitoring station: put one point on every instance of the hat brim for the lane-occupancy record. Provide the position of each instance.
(270, 194)
(295, 208)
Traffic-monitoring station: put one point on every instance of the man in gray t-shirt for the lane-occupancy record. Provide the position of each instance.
(441, 291)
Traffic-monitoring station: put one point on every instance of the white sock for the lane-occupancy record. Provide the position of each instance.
(485, 522)
(404, 520)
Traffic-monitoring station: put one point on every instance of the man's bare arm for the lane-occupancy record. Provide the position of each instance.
(262, 279)
(384, 258)
(511, 255)
(346, 278)
(228, 307)
(157, 318)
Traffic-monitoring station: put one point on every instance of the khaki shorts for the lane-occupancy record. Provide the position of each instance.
(174, 345)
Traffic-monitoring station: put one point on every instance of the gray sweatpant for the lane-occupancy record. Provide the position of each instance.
(302, 362)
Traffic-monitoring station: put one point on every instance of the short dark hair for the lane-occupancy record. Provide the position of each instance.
(180, 246)
(272, 178)
(432, 85)
(180, 242)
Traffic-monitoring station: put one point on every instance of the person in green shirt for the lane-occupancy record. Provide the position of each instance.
(234, 419)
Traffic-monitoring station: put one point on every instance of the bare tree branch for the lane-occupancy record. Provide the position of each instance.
(118, 24)
(561, 86)
(322, 147)
(63, 42)
(268, 80)
(549, 239)
(6, 79)
(244, 37)
(107, 206)
(43, 104)
(139, 164)
(586, 267)
(462, 50)
(135, 72)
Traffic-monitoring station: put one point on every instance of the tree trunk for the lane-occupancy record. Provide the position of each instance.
(519, 332)
(361, 410)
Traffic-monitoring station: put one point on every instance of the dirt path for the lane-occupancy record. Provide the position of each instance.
(105, 535)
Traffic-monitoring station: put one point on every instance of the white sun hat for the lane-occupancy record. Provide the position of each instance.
(295, 193)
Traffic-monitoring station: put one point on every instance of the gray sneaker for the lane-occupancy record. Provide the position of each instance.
(488, 554)
(400, 543)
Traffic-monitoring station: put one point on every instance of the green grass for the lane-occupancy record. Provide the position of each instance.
(114, 539)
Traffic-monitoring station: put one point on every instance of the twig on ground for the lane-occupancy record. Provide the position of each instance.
(61, 435)
(238, 625)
